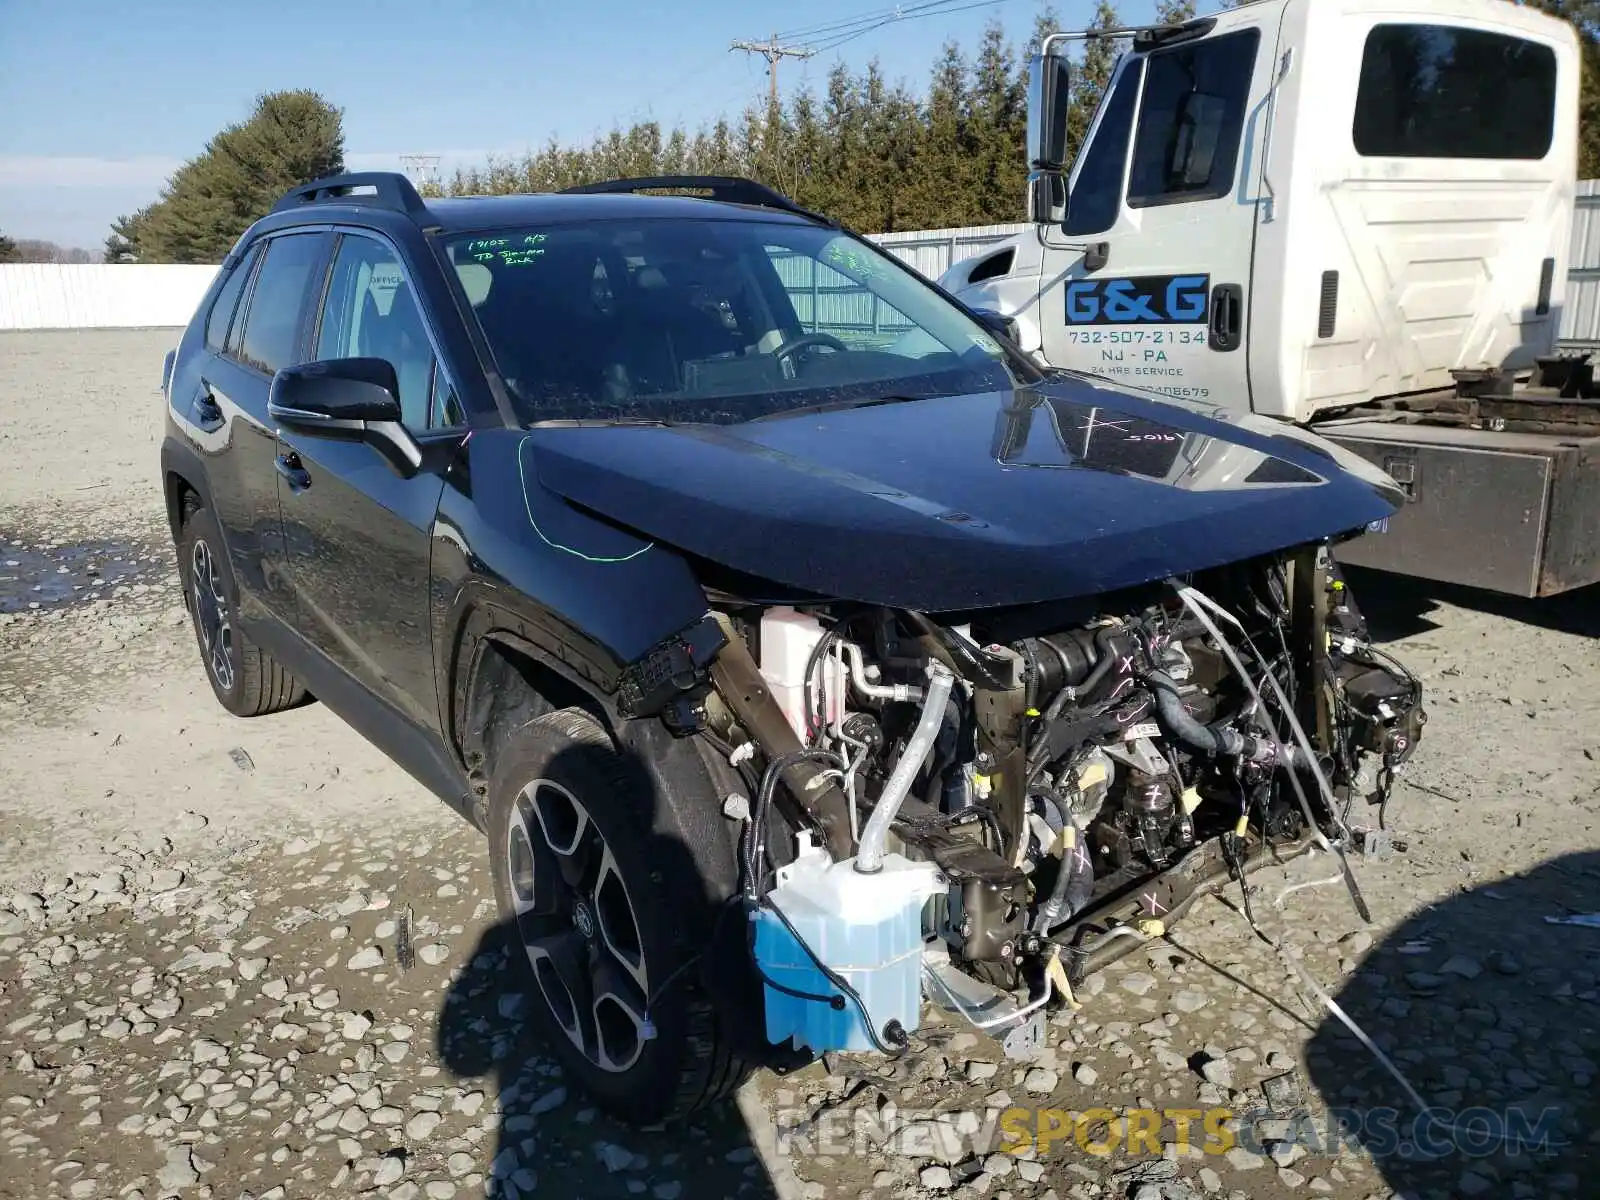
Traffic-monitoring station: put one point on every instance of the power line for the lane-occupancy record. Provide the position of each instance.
(810, 31)
(873, 20)
(833, 34)
(837, 33)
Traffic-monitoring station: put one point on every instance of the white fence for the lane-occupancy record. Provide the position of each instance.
(133, 296)
(932, 251)
(61, 296)
(51, 296)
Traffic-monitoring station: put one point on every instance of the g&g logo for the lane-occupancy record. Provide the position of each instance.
(1143, 300)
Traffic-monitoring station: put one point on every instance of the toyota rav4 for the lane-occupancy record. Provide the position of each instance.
(806, 653)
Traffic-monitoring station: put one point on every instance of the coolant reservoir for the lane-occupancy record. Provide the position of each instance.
(866, 928)
(787, 639)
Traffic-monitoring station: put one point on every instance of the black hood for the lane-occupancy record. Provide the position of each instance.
(1065, 489)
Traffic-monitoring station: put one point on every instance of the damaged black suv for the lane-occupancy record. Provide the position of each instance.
(805, 651)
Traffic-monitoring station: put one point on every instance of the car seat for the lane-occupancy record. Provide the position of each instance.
(546, 334)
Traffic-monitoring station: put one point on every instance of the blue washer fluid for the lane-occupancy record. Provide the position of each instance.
(866, 928)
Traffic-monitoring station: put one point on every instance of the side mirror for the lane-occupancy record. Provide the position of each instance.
(1049, 97)
(353, 399)
(1047, 197)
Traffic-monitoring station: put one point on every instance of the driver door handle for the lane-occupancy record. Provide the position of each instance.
(293, 471)
(1227, 317)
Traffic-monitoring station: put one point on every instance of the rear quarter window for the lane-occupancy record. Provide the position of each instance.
(1438, 91)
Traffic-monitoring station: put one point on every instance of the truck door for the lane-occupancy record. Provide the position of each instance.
(1169, 179)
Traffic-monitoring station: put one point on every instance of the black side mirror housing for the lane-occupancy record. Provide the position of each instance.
(324, 394)
(354, 399)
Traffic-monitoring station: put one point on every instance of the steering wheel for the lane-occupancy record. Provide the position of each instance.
(794, 345)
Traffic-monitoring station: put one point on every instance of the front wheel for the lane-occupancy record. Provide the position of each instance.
(598, 900)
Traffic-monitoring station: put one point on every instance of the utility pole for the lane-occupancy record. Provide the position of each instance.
(772, 52)
(422, 169)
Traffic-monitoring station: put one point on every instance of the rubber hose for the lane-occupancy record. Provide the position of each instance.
(757, 843)
(1177, 722)
(1108, 659)
(1064, 896)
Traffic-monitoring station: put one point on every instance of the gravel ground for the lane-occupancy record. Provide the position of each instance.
(203, 990)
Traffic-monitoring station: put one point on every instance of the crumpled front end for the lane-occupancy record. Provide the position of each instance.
(980, 809)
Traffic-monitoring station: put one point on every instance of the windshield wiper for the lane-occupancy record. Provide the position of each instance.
(834, 406)
(592, 422)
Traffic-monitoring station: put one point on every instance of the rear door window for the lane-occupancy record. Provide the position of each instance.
(290, 273)
(1436, 91)
(221, 316)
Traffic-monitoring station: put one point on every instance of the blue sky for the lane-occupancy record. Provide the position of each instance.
(104, 100)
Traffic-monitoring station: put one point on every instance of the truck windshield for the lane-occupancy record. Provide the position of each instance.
(713, 320)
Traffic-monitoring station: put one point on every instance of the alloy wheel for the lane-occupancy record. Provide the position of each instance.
(211, 614)
(576, 921)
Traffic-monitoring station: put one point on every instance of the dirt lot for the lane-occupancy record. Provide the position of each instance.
(199, 992)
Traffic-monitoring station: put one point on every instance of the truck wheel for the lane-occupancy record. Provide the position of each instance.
(597, 901)
(248, 681)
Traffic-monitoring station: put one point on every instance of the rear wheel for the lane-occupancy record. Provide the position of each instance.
(247, 681)
(597, 901)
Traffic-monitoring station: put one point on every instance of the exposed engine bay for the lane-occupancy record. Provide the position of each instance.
(1060, 775)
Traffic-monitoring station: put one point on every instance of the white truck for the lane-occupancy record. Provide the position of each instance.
(1352, 215)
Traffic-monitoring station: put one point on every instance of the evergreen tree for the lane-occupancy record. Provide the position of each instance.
(675, 154)
(1044, 24)
(999, 127)
(879, 157)
(118, 247)
(943, 185)
(8, 249)
(289, 139)
(1094, 72)
(1584, 16)
(807, 140)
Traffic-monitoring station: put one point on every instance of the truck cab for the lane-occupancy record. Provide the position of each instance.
(1353, 216)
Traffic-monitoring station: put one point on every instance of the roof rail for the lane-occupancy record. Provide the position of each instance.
(390, 190)
(727, 189)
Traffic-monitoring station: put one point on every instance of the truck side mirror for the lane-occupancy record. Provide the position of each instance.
(1047, 197)
(1049, 96)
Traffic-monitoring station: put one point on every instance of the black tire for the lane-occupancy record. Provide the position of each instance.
(690, 1062)
(248, 682)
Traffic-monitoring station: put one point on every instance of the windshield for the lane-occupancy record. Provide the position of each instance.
(715, 321)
